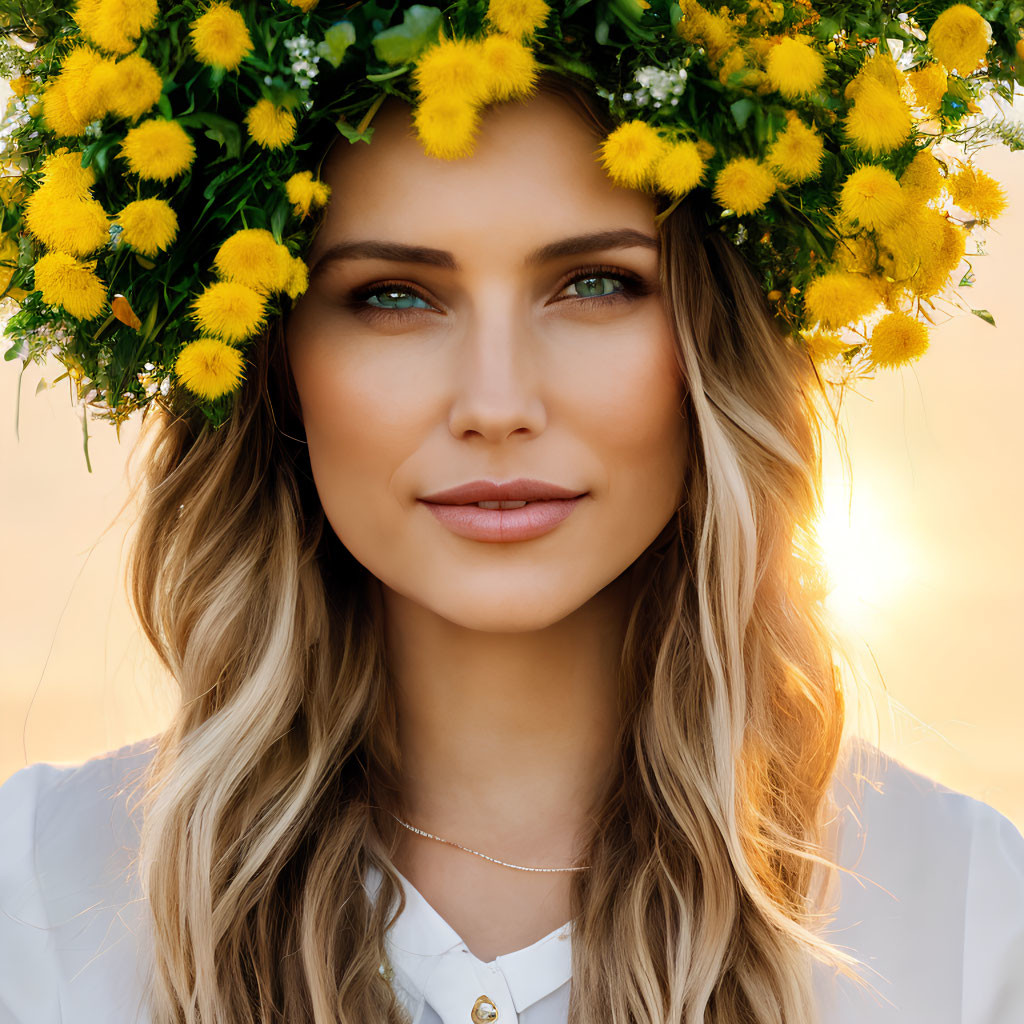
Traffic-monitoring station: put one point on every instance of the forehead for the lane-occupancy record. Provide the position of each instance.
(534, 174)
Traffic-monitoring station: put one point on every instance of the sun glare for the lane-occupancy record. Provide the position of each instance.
(867, 560)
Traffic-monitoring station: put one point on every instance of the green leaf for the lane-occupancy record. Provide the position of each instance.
(279, 218)
(337, 39)
(150, 322)
(573, 6)
(219, 129)
(402, 43)
(985, 315)
(741, 111)
(352, 135)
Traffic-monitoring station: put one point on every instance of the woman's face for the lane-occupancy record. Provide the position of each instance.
(491, 318)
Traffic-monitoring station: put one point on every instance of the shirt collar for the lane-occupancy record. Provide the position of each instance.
(420, 935)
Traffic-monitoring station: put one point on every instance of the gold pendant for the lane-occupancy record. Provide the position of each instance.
(484, 1011)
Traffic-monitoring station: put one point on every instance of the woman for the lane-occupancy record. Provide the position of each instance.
(617, 708)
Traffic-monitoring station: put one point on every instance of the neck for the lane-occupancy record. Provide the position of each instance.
(507, 739)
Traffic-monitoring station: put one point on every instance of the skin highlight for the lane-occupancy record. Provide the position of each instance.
(418, 371)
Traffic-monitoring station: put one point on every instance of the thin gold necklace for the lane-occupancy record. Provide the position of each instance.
(493, 860)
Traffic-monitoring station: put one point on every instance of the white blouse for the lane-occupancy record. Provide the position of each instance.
(933, 907)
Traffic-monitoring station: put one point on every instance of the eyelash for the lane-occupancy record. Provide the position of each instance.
(634, 287)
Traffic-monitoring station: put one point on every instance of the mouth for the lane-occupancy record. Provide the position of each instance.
(509, 494)
(503, 521)
(503, 504)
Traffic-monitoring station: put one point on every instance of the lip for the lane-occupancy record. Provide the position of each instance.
(548, 506)
(503, 525)
(522, 489)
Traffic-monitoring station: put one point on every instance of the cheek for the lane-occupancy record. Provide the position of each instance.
(359, 426)
(633, 395)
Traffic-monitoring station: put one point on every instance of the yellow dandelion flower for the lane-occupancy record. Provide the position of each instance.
(706, 150)
(794, 68)
(879, 121)
(304, 5)
(882, 70)
(86, 77)
(823, 345)
(679, 169)
(298, 279)
(305, 193)
(65, 281)
(797, 153)
(446, 126)
(960, 38)
(22, 85)
(57, 113)
(1020, 49)
(70, 224)
(978, 193)
(930, 247)
(135, 86)
(64, 175)
(871, 196)
(271, 126)
(954, 246)
(517, 18)
(12, 189)
(209, 367)
(922, 180)
(230, 311)
(910, 246)
(714, 31)
(898, 339)
(744, 185)
(732, 62)
(857, 254)
(929, 84)
(718, 35)
(631, 152)
(839, 298)
(115, 25)
(8, 261)
(512, 66)
(158, 149)
(148, 225)
(220, 37)
(252, 257)
(85, 13)
(455, 69)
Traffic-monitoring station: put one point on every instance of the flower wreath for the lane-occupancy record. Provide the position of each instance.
(160, 163)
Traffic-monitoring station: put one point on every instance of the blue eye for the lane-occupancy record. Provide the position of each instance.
(395, 298)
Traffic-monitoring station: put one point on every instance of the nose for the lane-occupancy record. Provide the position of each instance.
(499, 377)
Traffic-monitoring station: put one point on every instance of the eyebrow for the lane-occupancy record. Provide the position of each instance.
(619, 238)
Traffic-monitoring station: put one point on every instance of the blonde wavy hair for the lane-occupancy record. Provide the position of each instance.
(266, 801)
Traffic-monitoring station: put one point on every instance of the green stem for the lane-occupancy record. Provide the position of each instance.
(368, 116)
(661, 217)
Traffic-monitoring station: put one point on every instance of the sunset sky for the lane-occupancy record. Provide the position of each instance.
(928, 565)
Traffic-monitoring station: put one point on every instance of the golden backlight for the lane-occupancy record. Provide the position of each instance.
(870, 556)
